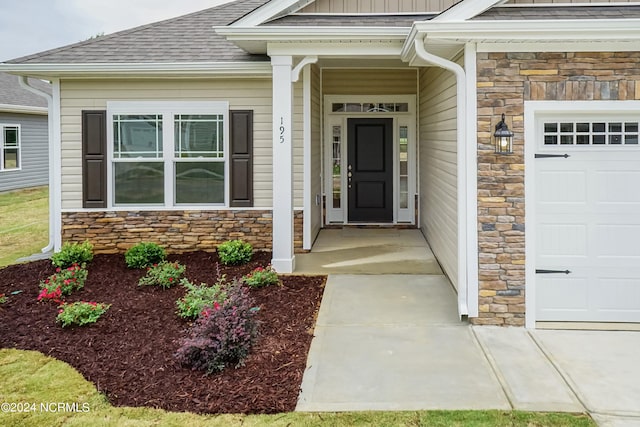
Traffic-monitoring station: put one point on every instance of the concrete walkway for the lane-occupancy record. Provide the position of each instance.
(394, 342)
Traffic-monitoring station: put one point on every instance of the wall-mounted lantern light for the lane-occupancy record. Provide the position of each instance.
(503, 138)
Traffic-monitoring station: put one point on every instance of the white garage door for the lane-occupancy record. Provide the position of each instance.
(588, 221)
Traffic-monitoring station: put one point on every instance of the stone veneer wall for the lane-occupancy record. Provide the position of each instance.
(505, 81)
(177, 231)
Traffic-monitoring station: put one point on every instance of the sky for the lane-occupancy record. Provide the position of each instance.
(32, 26)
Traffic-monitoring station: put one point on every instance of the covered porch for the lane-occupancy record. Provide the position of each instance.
(370, 129)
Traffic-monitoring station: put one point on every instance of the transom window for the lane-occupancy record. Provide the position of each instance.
(599, 133)
(370, 107)
(10, 143)
(166, 153)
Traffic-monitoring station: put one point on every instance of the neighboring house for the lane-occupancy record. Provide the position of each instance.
(24, 140)
(269, 120)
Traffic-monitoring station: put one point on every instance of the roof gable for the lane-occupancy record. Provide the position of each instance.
(371, 7)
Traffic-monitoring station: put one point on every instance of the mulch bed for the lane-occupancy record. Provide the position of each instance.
(128, 353)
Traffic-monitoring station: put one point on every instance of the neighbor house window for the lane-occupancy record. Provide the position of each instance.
(10, 141)
(168, 153)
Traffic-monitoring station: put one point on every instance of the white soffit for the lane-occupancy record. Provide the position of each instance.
(256, 40)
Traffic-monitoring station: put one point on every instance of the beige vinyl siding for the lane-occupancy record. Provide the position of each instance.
(438, 166)
(242, 94)
(377, 6)
(368, 81)
(316, 151)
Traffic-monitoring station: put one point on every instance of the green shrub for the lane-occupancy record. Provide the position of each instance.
(165, 274)
(144, 254)
(261, 277)
(223, 334)
(198, 297)
(80, 313)
(235, 252)
(73, 253)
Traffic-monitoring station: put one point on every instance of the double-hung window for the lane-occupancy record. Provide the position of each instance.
(10, 143)
(168, 153)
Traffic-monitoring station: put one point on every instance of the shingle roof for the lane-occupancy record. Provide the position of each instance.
(11, 93)
(342, 20)
(188, 38)
(560, 12)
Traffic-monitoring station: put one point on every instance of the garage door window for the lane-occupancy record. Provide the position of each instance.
(599, 133)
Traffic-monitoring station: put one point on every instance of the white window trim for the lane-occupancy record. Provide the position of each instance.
(2, 147)
(535, 112)
(168, 109)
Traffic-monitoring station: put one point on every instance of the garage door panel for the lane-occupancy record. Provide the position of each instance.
(618, 295)
(561, 294)
(561, 188)
(564, 240)
(618, 187)
(617, 241)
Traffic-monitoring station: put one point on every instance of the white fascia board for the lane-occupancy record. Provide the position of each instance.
(466, 9)
(564, 46)
(271, 10)
(288, 33)
(23, 109)
(141, 69)
(532, 30)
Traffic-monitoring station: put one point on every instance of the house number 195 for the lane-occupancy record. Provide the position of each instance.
(281, 130)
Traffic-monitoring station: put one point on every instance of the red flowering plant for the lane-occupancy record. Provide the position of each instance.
(80, 313)
(261, 277)
(198, 297)
(3, 298)
(164, 274)
(62, 282)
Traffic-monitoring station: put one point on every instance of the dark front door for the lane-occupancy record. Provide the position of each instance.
(370, 170)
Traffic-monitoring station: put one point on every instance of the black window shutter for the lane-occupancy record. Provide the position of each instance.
(94, 159)
(241, 158)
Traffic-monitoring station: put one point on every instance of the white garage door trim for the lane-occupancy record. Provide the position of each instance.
(533, 110)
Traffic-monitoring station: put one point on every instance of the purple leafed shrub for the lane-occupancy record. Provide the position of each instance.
(223, 334)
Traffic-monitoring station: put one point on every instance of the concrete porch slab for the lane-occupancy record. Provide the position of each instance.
(368, 251)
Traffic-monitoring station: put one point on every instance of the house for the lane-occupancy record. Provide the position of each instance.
(269, 120)
(24, 140)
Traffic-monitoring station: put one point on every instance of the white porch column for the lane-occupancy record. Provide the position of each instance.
(283, 257)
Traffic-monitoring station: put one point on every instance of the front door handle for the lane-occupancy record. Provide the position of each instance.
(552, 271)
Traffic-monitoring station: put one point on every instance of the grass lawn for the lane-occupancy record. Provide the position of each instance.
(40, 382)
(24, 223)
